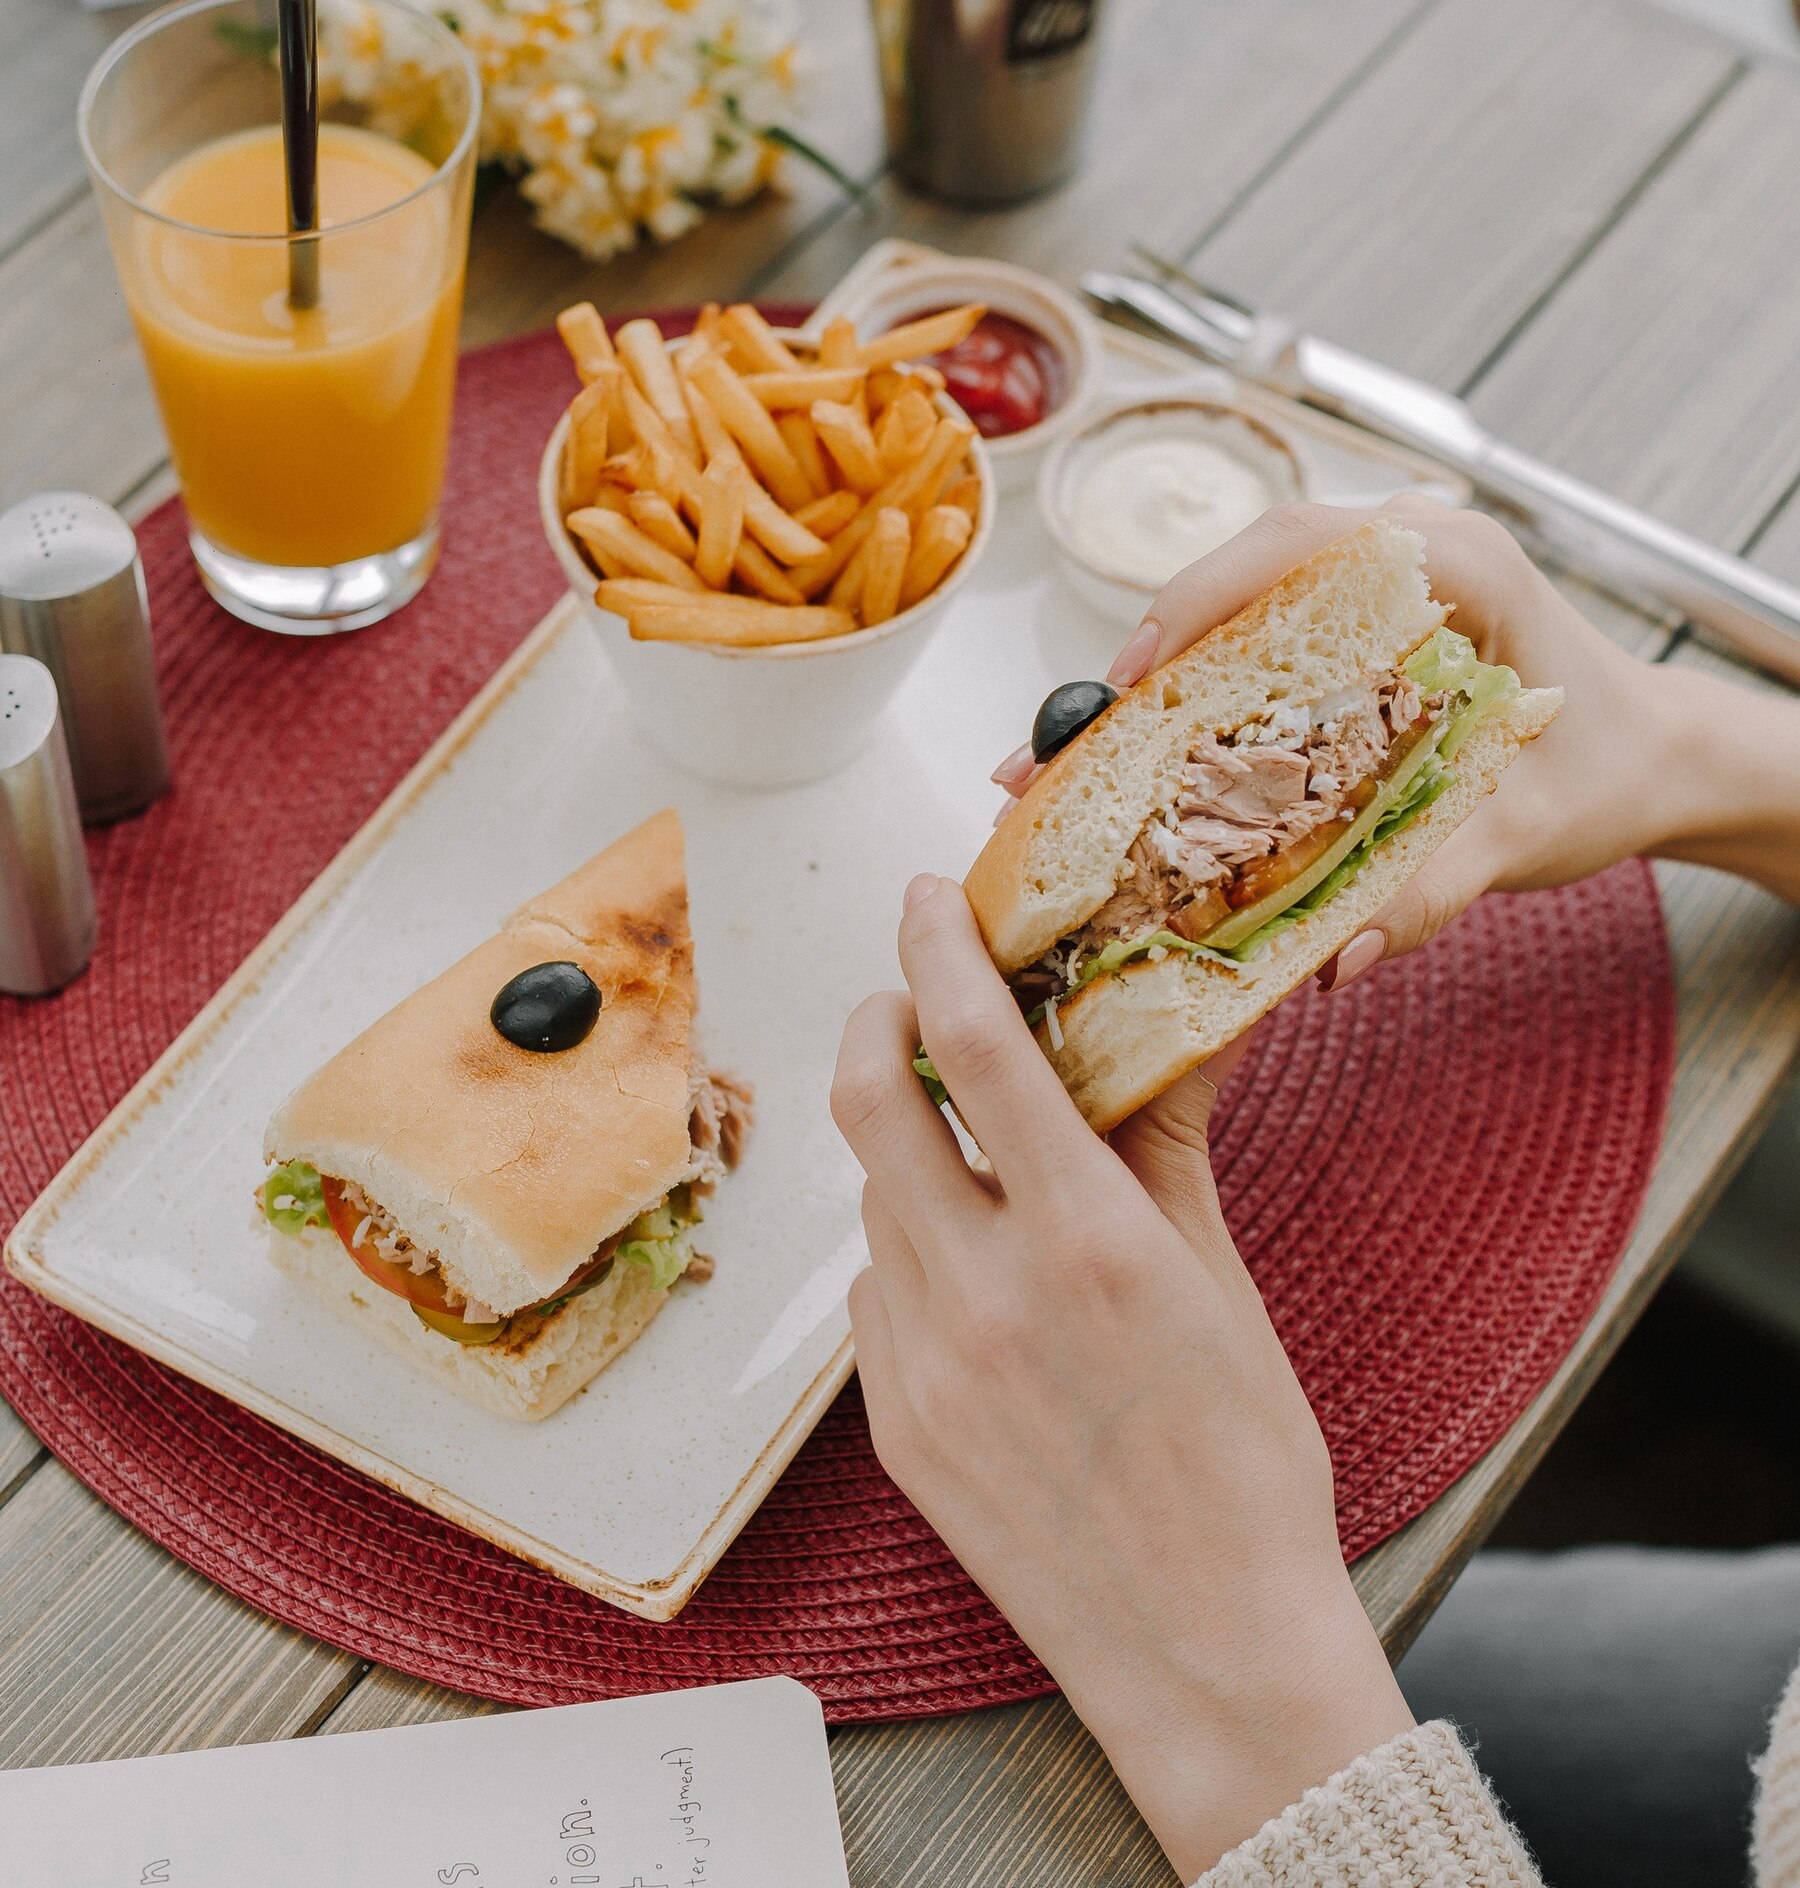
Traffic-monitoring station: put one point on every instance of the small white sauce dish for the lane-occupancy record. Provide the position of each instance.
(759, 717)
(1242, 465)
(884, 299)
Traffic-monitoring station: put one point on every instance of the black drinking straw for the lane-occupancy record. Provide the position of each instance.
(299, 34)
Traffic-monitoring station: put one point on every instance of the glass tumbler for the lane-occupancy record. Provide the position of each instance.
(306, 396)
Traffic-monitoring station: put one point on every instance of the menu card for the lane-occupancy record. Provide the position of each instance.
(726, 1787)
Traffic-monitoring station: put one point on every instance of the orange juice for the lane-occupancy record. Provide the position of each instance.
(307, 436)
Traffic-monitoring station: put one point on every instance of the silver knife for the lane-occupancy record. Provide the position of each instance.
(1728, 600)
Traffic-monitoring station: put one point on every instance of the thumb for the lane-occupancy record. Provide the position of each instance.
(1164, 1145)
(1443, 888)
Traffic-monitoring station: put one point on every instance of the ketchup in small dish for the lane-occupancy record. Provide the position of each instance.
(1005, 376)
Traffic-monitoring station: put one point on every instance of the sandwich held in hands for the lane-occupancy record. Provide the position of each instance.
(1198, 847)
(501, 1178)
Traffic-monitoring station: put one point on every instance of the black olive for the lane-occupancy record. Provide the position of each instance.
(1066, 711)
(546, 1008)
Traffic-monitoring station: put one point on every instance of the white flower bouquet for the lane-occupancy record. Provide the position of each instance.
(616, 117)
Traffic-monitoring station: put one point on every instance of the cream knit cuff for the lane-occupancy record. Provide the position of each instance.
(1413, 1814)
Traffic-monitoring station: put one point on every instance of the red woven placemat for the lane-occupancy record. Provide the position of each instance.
(1431, 1175)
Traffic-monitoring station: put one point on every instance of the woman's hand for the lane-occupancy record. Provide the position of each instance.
(1068, 1369)
(1642, 758)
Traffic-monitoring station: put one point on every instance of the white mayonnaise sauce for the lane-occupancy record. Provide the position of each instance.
(1147, 506)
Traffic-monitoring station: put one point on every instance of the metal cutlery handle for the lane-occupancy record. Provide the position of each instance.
(1746, 609)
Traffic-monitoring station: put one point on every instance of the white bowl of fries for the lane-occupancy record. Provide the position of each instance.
(764, 536)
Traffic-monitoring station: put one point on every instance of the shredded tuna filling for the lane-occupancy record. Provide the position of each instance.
(720, 1118)
(1251, 809)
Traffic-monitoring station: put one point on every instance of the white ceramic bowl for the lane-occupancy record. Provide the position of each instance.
(773, 717)
(1114, 591)
(906, 289)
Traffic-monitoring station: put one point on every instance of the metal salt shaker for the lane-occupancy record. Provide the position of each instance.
(46, 896)
(985, 101)
(72, 595)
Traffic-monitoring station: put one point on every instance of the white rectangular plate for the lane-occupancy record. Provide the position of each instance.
(635, 1488)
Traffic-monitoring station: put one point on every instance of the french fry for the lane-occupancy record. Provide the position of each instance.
(679, 482)
(584, 335)
(751, 338)
(802, 387)
(584, 451)
(845, 435)
(914, 340)
(828, 515)
(723, 487)
(765, 623)
(756, 570)
(942, 537)
(847, 588)
(902, 432)
(622, 595)
(640, 346)
(887, 549)
(661, 523)
(715, 441)
(837, 345)
(803, 442)
(881, 386)
(914, 491)
(965, 493)
(618, 540)
(706, 324)
(749, 424)
(916, 414)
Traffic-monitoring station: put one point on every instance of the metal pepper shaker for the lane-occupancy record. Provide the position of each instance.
(72, 595)
(47, 917)
(986, 98)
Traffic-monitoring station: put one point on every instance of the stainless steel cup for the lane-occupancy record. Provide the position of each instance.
(986, 99)
(72, 595)
(47, 917)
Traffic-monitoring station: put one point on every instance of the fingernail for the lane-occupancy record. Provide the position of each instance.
(1016, 766)
(1006, 806)
(1363, 952)
(1132, 663)
(918, 888)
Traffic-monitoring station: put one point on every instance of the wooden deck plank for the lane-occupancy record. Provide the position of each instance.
(46, 47)
(1666, 367)
(1160, 165)
(110, 1647)
(1425, 215)
(20, 1452)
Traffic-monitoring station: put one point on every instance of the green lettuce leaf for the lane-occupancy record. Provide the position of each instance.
(662, 1241)
(1446, 659)
(926, 1071)
(293, 1198)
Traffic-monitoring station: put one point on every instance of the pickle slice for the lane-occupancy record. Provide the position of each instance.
(447, 1326)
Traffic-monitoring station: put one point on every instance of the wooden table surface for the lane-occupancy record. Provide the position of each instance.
(1583, 214)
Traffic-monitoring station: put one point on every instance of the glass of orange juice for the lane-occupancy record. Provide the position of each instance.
(310, 441)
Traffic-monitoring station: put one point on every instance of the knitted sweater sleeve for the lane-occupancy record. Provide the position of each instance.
(1775, 1832)
(1413, 1814)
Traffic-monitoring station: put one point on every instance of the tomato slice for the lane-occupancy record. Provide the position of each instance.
(425, 1289)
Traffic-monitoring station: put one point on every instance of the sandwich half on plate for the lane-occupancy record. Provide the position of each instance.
(1205, 844)
(501, 1178)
